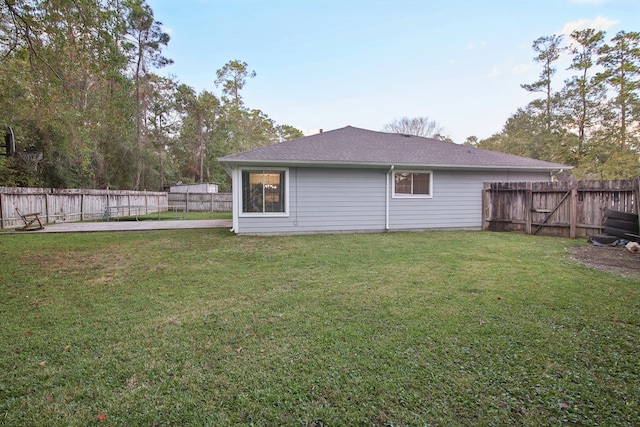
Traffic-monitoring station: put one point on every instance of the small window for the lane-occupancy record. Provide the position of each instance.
(412, 184)
(263, 191)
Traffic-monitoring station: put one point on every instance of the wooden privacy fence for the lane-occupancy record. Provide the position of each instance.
(201, 202)
(62, 205)
(566, 209)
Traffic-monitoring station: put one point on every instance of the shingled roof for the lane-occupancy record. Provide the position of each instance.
(361, 147)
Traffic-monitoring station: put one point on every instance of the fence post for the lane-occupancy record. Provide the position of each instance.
(528, 206)
(485, 205)
(46, 207)
(573, 211)
(638, 196)
(186, 201)
(1, 212)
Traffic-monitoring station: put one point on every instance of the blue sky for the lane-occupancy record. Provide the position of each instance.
(326, 64)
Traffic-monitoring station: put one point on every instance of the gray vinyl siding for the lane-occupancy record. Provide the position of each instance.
(327, 200)
(354, 200)
(456, 201)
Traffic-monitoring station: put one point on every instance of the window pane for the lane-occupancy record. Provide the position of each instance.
(281, 196)
(403, 183)
(421, 183)
(272, 192)
(252, 192)
(263, 191)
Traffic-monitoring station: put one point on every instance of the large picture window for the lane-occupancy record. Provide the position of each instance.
(412, 184)
(263, 191)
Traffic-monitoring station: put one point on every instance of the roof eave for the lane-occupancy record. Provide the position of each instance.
(302, 163)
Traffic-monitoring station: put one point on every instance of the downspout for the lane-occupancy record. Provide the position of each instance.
(555, 174)
(387, 190)
(236, 184)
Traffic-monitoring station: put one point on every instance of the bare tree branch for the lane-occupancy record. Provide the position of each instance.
(418, 126)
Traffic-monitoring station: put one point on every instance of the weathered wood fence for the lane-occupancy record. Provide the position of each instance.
(61, 205)
(201, 202)
(567, 209)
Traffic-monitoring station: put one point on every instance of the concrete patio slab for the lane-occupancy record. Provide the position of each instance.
(89, 227)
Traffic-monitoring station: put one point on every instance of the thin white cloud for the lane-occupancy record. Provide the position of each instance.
(599, 23)
(494, 72)
(474, 46)
(520, 69)
(167, 30)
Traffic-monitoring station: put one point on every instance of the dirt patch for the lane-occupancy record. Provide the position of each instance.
(614, 260)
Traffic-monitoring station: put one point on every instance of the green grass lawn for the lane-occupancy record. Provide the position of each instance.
(194, 327)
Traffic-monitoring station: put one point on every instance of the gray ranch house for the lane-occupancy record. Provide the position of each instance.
(357, 180)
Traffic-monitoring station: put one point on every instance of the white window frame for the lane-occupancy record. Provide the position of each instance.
(412, 196)
(241, 212)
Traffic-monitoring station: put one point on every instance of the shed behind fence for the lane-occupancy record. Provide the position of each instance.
(567, 209)
(201, 202)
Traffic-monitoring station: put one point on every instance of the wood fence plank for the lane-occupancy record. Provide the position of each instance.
(541, 208)
(528, 207)
(573, 213)
(547, 216)
(65, 204)
(638, 199)
(485, 205)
